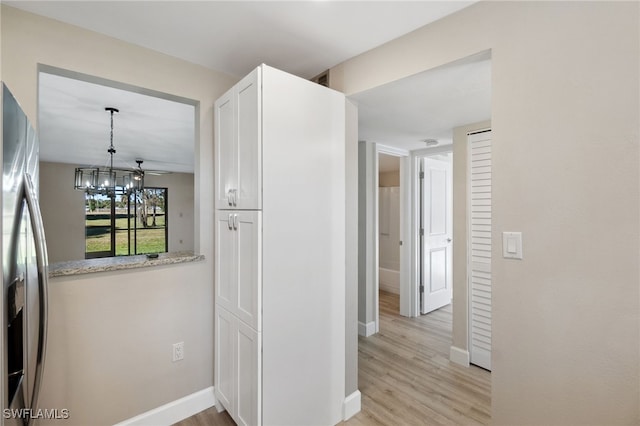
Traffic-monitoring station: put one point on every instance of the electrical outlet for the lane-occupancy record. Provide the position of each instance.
(178, 351)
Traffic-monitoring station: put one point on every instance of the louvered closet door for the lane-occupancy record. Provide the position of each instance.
(480, 249)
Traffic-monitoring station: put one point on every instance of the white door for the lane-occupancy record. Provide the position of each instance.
(479, 256)
(436, 233)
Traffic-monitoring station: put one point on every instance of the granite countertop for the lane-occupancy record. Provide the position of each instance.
(105, 264)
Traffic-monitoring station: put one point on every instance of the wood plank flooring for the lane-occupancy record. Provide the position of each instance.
(405, 376)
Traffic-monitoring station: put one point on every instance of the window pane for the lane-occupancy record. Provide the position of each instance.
(139, 224)
(151, 224)
(97, 226)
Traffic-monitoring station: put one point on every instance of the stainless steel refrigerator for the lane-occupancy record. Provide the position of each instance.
(24, 269)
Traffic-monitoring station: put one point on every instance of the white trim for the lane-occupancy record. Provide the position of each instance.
(406, 204)
(459, 356)
(389, 280)
(406, 298)
(414, 237)
(480, 130)
(391, 150)
(375, 178)
(367, 329)
(427, 152)
(351, 405)
(174, 411)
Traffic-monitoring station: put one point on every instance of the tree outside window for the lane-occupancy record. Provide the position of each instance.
(126, 224)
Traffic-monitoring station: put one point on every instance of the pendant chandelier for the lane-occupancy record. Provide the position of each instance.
(109, 180)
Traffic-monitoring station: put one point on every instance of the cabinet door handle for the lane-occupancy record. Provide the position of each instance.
(230, 221)
(235, 197)
(235, 221)
(229, 197)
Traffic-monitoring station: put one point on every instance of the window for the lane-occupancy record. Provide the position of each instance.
(122, 225)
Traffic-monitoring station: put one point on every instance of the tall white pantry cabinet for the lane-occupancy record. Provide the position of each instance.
(280, 251)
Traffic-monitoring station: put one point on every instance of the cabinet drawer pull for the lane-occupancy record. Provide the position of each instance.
(235, 221)
(230, 221)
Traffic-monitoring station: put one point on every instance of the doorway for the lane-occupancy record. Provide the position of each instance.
(389, 230)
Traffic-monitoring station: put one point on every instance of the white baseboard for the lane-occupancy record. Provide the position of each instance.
(352, 405)
(389, 288)
(389, 280)
(174, 411)
(459, 356)
(367, 329)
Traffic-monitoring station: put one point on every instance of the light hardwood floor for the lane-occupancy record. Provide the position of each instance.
(405, 376)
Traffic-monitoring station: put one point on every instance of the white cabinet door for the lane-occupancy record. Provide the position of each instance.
(248, 303)
(249, 376)
(225, 260)
(225, 343)
(238, 146)
(249, 146)
(238, 368)
(238, 264)
(226, 143)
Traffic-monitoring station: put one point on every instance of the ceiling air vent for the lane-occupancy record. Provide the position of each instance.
(322, 79)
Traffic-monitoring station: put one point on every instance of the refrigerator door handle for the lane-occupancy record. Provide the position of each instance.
(43, 282)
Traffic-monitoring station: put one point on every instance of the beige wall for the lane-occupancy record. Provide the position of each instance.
(181, 215)
(565, 118)
(63, 210)
(63, 213)
(389, 178)
(111, 334)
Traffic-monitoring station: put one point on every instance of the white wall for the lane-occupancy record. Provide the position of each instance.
(389, 239)
(565, 118)
(111, 334)
(389, 227)
(63, 210)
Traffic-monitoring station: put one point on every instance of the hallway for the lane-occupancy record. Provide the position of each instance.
(406, 378)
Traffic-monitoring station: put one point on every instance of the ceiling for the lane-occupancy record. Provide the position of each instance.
(427, 105)
(75, 128)
(301, 37)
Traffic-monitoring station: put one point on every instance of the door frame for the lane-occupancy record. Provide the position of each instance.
(405, 206)
(369, 317)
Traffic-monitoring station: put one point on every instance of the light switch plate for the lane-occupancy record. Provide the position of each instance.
(512, 245)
